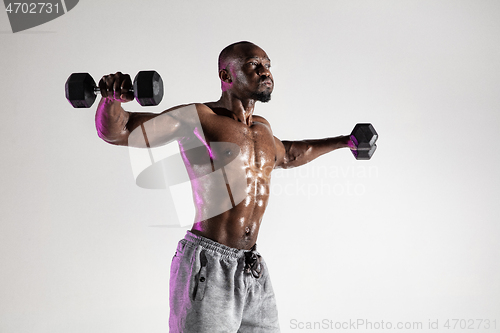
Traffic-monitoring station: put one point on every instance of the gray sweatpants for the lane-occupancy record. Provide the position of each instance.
(215, 288)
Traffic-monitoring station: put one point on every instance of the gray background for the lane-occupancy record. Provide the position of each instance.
(412, 235)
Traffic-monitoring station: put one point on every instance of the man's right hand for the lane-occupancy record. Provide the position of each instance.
(116, 87)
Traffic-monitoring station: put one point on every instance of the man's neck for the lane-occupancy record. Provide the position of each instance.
(241, 110)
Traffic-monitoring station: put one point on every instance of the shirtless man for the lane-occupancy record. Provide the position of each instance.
(219, 282)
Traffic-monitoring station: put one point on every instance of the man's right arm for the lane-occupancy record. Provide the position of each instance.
(115, 125)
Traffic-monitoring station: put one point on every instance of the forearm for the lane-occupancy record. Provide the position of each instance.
(301, 152)
(111, 122)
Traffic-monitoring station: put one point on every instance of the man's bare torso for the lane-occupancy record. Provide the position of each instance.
(228, 152)
(255, 149)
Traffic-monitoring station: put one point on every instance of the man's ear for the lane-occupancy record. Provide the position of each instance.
(224, 76)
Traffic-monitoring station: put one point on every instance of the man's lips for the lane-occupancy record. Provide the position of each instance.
(268, 83)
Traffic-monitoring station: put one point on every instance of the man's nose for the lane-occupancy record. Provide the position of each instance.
(263, 71)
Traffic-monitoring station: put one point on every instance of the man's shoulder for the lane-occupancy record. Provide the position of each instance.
(190, 110)
(198, 106)
(203, 107)
(261, 119)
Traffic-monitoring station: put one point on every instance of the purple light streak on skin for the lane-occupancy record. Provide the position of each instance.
(99, 121)
(202, 139)
(198, 201)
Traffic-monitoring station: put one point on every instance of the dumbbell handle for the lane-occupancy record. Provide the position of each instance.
(97, 90)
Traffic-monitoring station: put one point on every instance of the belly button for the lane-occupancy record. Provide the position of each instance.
(247, 230)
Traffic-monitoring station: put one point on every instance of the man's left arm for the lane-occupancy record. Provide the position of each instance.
(290, 154)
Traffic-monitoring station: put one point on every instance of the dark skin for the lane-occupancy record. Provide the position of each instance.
(231, 119)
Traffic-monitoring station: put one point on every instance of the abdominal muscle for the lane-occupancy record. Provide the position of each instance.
(231, 214)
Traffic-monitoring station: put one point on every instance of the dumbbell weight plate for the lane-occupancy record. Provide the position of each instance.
(80, 90)
(364, 137)
(148, 88)
(364, 154)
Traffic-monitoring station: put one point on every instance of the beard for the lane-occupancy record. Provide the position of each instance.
(263, 96)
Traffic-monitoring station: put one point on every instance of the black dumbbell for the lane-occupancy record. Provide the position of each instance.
(81, 90)
(364, 137)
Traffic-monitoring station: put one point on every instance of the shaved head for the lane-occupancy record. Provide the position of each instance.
(228, 53)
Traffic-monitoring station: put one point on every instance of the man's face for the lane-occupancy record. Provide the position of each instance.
(251, 74)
